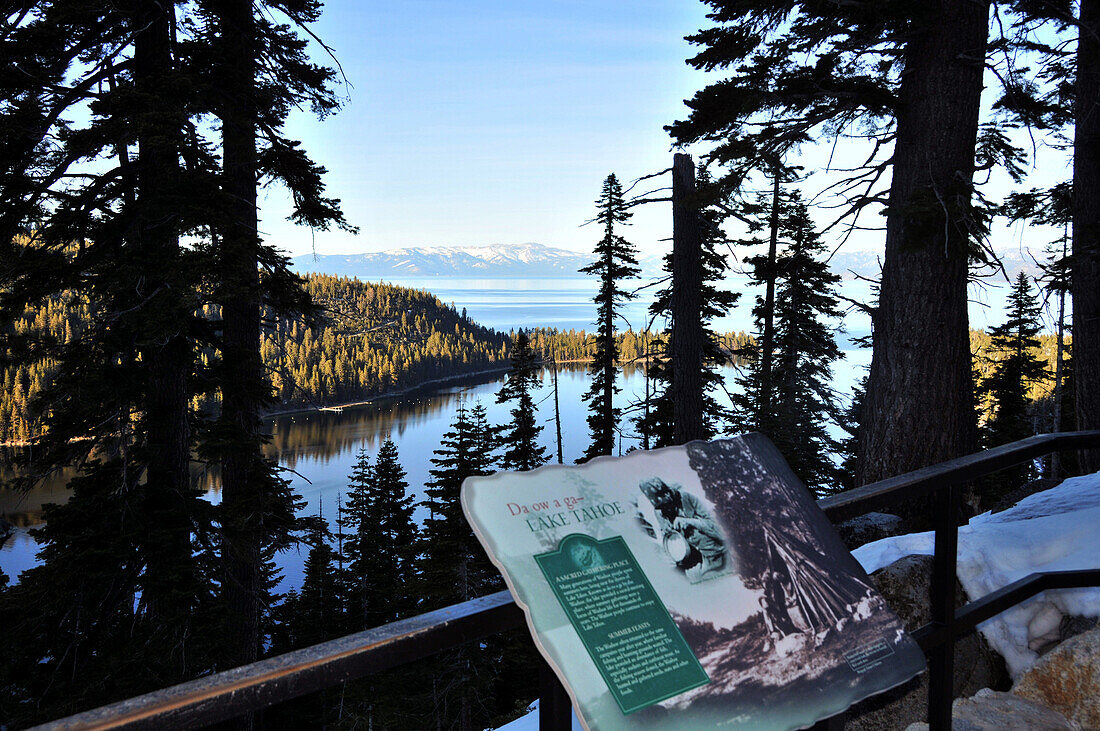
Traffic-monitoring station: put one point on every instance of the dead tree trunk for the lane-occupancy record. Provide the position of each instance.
(686, 345)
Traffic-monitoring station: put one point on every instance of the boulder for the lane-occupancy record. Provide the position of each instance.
(868, 527)
(1067, 679)
(989, 710)
(905, 585)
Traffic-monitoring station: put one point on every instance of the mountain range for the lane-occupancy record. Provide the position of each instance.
(531, 261)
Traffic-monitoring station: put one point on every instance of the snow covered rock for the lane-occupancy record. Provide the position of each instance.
(1053, 530)
(867, 528)
(993, 711)
(1067, 679)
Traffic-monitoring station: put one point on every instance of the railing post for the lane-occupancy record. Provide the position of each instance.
(555, 709)
(941, 660)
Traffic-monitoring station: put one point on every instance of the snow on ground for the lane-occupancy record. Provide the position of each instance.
(530, 722)
(1053, 530)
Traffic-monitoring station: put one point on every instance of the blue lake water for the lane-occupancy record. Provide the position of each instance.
(321, 448)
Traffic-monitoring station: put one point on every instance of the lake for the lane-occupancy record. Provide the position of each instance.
(321, 447)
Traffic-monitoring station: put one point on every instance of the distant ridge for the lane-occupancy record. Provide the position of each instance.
(498, 260)
(532, 261)
(849, 264)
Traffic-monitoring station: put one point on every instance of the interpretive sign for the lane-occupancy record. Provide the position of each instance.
(690, 587)
(626, 629)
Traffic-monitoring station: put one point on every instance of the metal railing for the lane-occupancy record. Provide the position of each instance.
(247, 688)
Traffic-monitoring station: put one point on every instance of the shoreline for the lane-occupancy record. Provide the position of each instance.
(389, 395)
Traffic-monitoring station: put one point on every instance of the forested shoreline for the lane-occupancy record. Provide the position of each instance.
(372, 340)
(148, 323)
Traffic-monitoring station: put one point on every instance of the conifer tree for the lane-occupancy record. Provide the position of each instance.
(802, 401)
(1016, 370)
(261, 72)
(908, 77)
(519, 439)
(91, 216)
(615, 261)
(316, 614)
(456, 569)
(381, 543)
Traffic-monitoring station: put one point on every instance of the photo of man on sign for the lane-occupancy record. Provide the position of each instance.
(684, 527)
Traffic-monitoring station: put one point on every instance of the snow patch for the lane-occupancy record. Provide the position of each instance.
(1053, 530)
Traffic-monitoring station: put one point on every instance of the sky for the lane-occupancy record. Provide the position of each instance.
(496, 121)
(485, 121)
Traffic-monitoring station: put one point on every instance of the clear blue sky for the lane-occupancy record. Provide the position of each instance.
(495, 121)
(485, 121)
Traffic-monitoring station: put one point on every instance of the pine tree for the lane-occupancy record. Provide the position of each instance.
(1015, 371)
(454, 568)
(519, 439)
(615, 261)
(806, 308)
(381, 544)
(908, 77)
(801, 401)
(262, 72)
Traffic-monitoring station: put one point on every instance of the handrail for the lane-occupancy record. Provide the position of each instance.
(246, 688)
(250, 687)
(926, 480)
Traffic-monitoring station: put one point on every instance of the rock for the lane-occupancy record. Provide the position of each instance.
(1067, 679)
(868, 527)
(989, 710)
(905, 586)
(1073, 625)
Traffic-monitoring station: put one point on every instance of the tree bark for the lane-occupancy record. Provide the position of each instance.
(687, 340)
(242, 370)
(920, 391)
(165, 350)
(1085, 272)
(767, 337)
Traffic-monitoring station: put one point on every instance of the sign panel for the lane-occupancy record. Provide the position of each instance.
(690, 587)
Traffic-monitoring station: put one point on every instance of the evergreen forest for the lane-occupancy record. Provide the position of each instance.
(149, 325)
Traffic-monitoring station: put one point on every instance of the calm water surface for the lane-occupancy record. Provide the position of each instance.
(319, 449)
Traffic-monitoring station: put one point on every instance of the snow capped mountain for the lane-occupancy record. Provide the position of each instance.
(498, 260)
(869, 264)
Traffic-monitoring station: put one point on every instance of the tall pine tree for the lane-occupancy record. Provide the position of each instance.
(615, 262)
(381, 540)
(801, 402)
(454, 568)
(520, 438)
(1016, 370)
(907, 77)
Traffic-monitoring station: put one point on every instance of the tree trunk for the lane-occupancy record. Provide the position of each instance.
(1085, 282)
(767, 337)
(920, 391)
(557, 410)
(242, 373)
(165, 351)
(1059, 355)
(687, 339)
